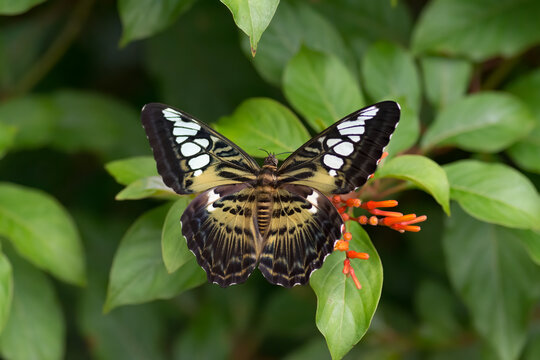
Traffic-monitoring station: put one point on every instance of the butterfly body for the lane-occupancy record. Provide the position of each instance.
(278, 218)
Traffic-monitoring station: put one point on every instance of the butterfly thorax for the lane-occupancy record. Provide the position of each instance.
(264, 189)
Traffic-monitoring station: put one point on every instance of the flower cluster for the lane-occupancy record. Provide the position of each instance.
(394, 220)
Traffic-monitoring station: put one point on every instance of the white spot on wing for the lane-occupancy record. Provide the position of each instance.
(181, 139)
(212, 196)
(203, 142)
(332, 161)
(197, 173)
(183, 131)
(356, 130)
(370, 111)
(189, 149)
(332, 141)
(171, 114)
(358, 122)
(354, 138)
(185, 124)
(332, 172)
(199, 161)
(344, 149)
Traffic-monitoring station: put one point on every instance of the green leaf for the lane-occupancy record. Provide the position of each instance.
(42, 231)
(35, 118)
(486, 122)
(91, 121)
(74, 121)
(526, 152)
(320, 88)
(35, 328)
(252, 17)
(406, 133)
(478, 29)
(128, 170)
(142, 19)
(445, 79)
(7, 137)
(363, 22)
(530, 240)
(344, 313)
(6, 290)
(173, 243)
(295, 24)
(389, 73)
(422, 172)
(262, 123)
(495, 278)
(15, 7)
(138, 273)
(152, 186)
(494, 193)
(437, 308)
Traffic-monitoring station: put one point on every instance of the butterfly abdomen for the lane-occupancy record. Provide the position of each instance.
(265, 188)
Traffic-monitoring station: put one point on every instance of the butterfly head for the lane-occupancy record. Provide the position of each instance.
(271, 159)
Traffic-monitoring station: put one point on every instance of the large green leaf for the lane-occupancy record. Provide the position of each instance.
(422, 172)
(6, 290)
(344, 313)
(128, 170)
(526, 152)
(262, 123)
(151, 186)
(495, 278)
(363, 22)
(42, 231)
(320, 88)
(15, 7)
(295, 24)
(138, 273)
(478, 29)
(445, 79)
(35, 118)
(7, 137)
(173, 244)
(142, 19)
(389, 73)
(487, 122)
(35, 328)
(494, 193)
(252, 17)
(530, 240)
(74, 120)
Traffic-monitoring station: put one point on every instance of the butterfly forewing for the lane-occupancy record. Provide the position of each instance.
(220, 230)
(341, 158)
(190, 156)
(302, 232)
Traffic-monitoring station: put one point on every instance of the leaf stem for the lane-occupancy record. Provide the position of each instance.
(57, 49)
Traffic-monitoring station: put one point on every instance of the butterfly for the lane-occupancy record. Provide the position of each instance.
(276, 218)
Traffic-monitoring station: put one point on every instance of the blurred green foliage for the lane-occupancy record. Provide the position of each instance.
(85, 276)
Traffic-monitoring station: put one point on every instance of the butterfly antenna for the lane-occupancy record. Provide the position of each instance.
(267, 153)
(285, 152)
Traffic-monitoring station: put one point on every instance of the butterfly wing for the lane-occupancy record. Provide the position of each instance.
(190, 156)
(342, 157)
(302, 232)
(220, 230)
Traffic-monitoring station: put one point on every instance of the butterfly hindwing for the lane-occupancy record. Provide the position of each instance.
(302, 232)
(220, 230)
(341, 158)
(190, 156)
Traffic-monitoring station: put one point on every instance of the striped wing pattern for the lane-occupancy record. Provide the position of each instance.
(221, 224)
(303, 230)
(219, 228)
(341, 158)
